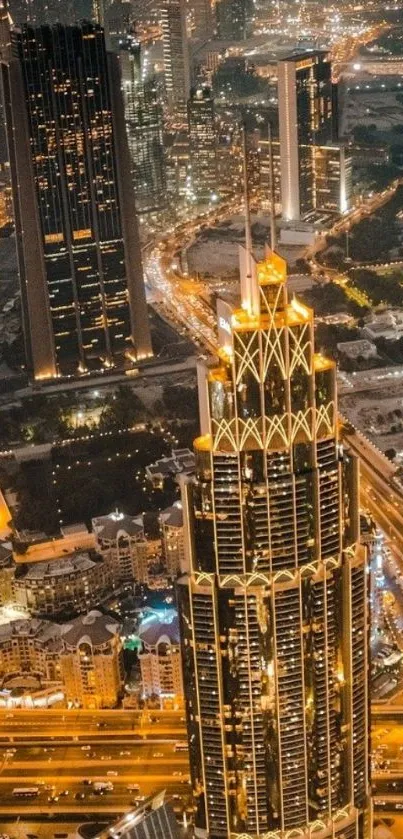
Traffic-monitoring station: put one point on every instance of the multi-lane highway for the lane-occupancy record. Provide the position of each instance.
(380, 493)
(181, 299)
(64, 753)
(50, 723)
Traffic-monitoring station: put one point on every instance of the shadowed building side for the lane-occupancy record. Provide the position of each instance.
(37, 327)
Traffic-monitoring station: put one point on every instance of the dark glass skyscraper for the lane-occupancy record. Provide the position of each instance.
(144, 124)
(202, 137)
(231, 19)
(79, 258)
(274, 616)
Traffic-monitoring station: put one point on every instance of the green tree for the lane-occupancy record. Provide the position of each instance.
(123, 409)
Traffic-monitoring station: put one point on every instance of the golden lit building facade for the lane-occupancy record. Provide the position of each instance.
(274, 618)
(92, 661)
(121, 541)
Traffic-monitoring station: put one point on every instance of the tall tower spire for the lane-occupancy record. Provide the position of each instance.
(248, 228)
(273, 232)
(273, 611)
(249, 287)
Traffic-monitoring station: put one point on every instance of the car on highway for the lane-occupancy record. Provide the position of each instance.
(99, 787)
(79, 796)
(181, 746)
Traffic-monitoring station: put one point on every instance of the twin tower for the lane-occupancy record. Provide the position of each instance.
(273, 609)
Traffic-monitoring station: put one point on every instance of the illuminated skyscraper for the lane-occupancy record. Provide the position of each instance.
(143, 115)
(81, 278)
(307, 118)
(176, 55)
(202, 137)
(274, 608)
(333, 178)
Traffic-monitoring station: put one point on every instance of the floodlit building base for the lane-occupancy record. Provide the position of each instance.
(344, 825)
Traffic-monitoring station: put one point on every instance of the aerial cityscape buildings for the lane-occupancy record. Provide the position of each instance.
(185, 639)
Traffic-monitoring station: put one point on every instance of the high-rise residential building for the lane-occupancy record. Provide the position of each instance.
(160, 658)
(231, 19)
(176, 56)
(274, 614)
(30, 649)
(71, 583)
(144, 125)
(82, 288)
(202, 139)
(121, 540)
(171, 525)
(92, 661)
(307, 117)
